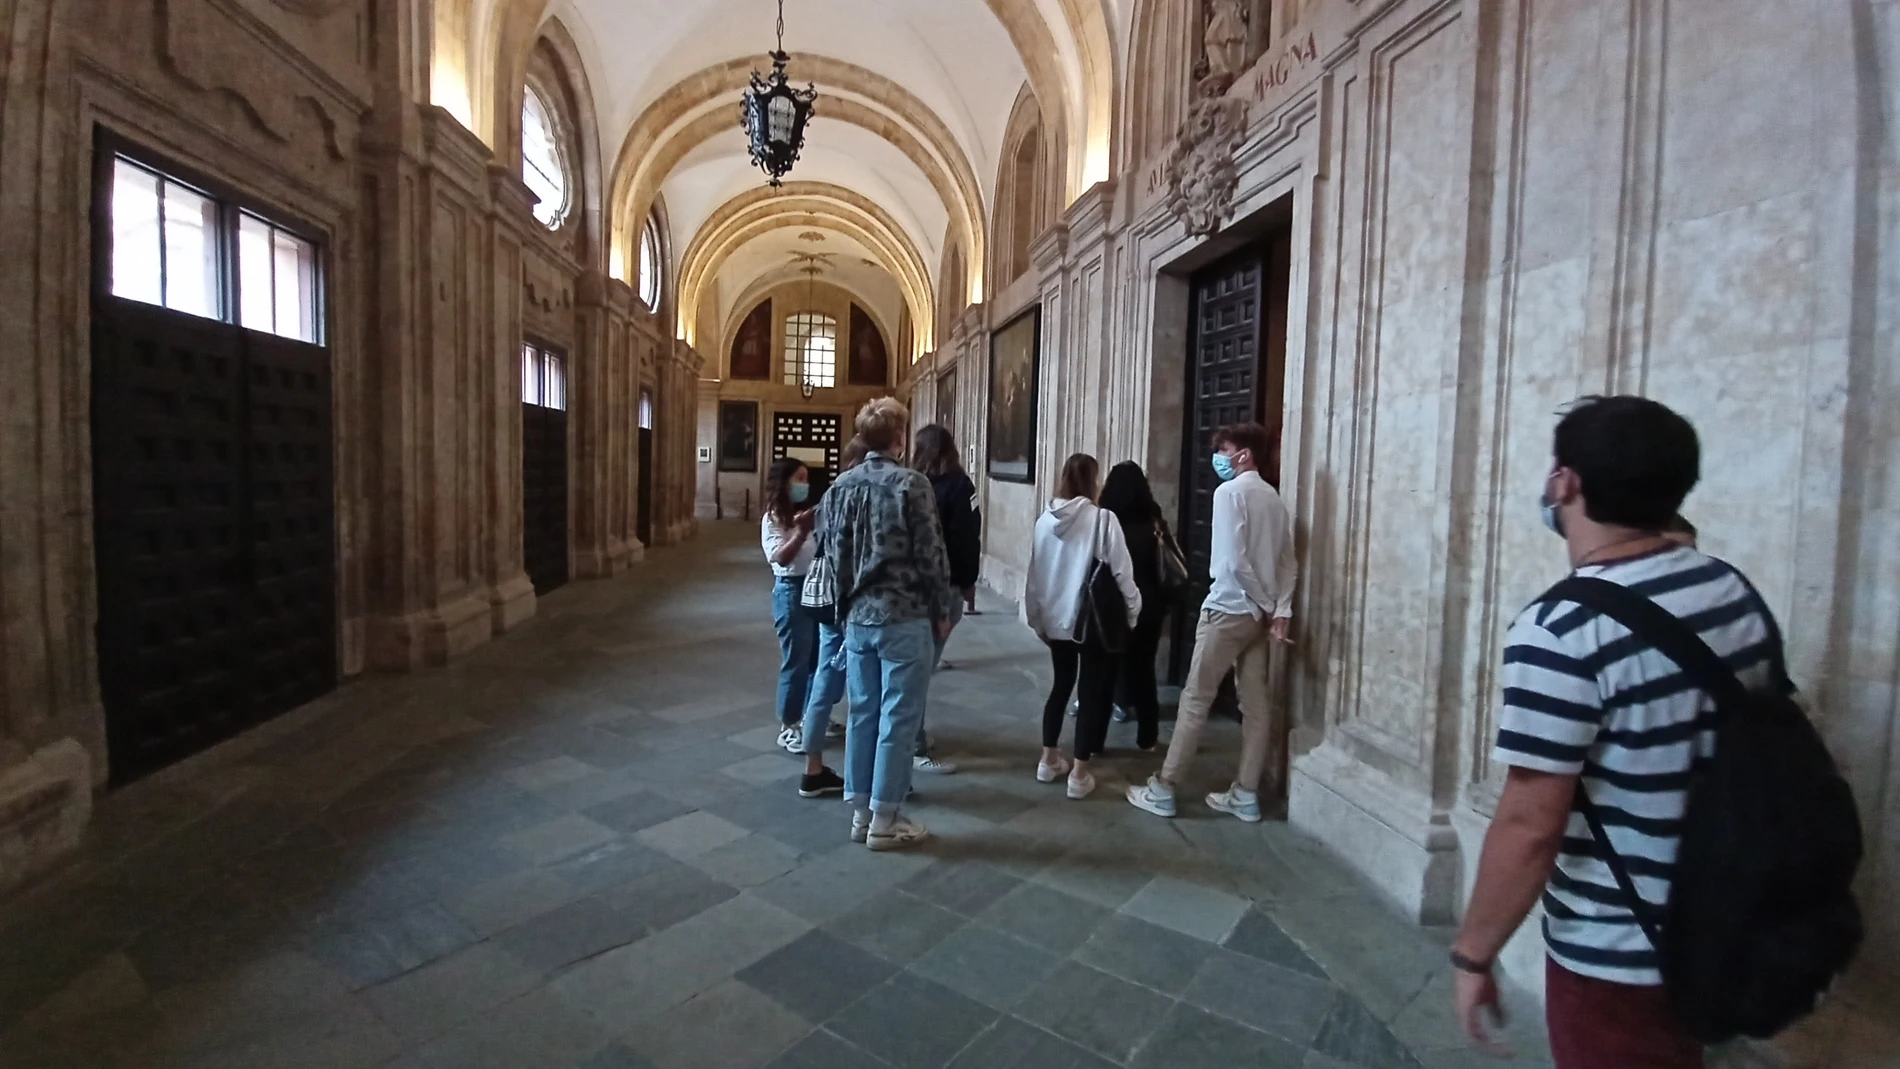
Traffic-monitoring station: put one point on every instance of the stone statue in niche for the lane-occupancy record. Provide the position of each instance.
(1200, 167)
(1225, 40)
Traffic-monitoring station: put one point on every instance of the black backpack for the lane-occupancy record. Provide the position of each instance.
(1761, 916)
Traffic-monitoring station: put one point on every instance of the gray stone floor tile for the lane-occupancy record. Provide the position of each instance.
(748, 862)
(962, 887)
(691, 835)
(554, 840)
(987, 965)
(1352, 1034)
(913, 1023)
(669, 896)
(616, 1056)
(896, 925)
(637, 812)
(605, 749)
(610, 864)
(435, 998)
(534, 1030)
(1257, 936)
(1191, 909)
(831, 884)
(373, 951)
(1194, 1039)
(763, 769)
(574, 932)
(500, 904)
(550, 772)
(1145, 954)
(1046, 917)
(588, 792)
(1097, 874)
(822, 1050)
(1264, 996)
(731, 1026)
(1089, 1007)
(1014, 1044)
(817, 975)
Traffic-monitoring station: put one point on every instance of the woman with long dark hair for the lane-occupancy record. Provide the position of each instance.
(785, 532)
(1070, 537)
(935, 454)
(1126, 494)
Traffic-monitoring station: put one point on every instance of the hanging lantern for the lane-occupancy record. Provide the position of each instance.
(774, 114)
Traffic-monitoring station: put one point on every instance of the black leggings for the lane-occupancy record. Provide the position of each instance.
(1093, 669)
(1135, 690)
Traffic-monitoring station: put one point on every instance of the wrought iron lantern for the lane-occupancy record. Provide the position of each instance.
(774, 114)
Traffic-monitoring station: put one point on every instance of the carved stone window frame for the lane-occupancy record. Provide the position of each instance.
(538, 92)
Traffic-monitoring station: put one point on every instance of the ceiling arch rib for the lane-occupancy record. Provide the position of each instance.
(735, 224)
(668, 129)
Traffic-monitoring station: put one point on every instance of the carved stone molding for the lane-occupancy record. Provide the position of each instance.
(1200, 169)
(201, 57)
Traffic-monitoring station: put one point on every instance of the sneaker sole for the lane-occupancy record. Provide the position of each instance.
(858, 835)
(1150, 808)
(893, 842)
(1250, 818)
(820, 792)
(1074, 796)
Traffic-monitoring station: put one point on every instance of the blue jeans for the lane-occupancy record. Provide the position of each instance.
(797, 649)
(887, 670)
(827, 687)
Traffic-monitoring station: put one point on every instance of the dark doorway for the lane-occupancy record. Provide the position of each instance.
(214, 508)
(813, 437)
(544, 466)
(643, 504)
(1236, 373)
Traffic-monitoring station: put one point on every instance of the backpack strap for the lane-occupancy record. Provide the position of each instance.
(1675, 640)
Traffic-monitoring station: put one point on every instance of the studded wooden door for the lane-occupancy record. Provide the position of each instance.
(544, 495)
(813, 437)
(214, 523)
(1237, 350)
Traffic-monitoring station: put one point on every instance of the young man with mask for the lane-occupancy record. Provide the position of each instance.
(1249, 605)
(1586, 703)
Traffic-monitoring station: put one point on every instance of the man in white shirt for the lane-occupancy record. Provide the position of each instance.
(1249, 605)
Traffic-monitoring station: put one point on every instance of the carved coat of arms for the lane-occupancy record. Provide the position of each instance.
(1200, 168)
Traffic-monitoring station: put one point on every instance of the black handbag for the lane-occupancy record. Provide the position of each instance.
(1103, 619)
(1168, 559)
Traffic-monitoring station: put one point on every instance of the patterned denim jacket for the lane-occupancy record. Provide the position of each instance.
(878, 524)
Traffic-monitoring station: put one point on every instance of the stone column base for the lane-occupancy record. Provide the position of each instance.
(1385, 830)
(45, 802)
(510, 603)
(603, 562)
(431, 636)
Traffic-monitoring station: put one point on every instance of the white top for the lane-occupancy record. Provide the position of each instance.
(774, 537)
(1070, 536)
(1251, 560)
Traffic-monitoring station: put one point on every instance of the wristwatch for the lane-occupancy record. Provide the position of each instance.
(1464, 964)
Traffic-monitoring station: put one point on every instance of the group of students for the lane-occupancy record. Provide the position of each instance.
(871, 580)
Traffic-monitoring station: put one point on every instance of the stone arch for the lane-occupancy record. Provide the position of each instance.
(1026, 191)
(1162, 46)
(750, 216)
(556, 62)
(678, 121)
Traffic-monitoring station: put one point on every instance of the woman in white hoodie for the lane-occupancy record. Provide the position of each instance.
(1071, 535)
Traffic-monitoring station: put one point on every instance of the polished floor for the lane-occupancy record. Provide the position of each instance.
(578, 847)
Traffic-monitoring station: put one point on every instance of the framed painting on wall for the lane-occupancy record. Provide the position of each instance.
(1014, 360)
(752, 346)
(738, 436)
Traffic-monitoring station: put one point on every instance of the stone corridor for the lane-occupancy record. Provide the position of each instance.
(578, 847)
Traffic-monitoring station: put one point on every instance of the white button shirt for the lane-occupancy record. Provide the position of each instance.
(1251, 561)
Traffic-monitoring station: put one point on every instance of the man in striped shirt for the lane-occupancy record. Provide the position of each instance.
(1586, 701)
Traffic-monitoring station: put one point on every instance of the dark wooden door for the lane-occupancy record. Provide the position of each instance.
(214, 530)
(544, 495)
(1236, 350)
(643, 507)
(811, 434)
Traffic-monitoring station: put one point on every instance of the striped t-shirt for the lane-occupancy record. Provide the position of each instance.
(1584, 696)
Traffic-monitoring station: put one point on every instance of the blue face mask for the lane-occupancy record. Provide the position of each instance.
(800, 491)
(1224, 467)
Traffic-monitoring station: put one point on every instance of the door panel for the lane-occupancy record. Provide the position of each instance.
(544, 496)
(810, 430)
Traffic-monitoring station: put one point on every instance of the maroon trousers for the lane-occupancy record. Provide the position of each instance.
(1596, 1024)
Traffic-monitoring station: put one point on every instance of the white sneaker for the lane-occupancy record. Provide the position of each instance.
(902, 832)
(1154, 797)
(1081, 788)
(1236, 802)
(860, 826)
(934, 766)
(791, 739)
(1048, 773)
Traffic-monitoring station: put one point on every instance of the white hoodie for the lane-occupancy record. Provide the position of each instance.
(1070, 536)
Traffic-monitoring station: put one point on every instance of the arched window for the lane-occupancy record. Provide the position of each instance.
(811, 349)
(650, 264)
(1024, 184)
(544, 160)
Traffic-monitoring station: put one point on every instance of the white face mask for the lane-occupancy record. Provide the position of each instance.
(1552, 512)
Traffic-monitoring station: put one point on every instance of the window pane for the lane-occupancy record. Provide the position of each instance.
(254, 267)
(541, 166)
(556, 381)
(530, 379)
(296, 286)
(136, 267)
(650, 266)
(191, 251)
(646, 410)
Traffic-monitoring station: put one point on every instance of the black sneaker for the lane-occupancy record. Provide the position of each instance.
(824, 782)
